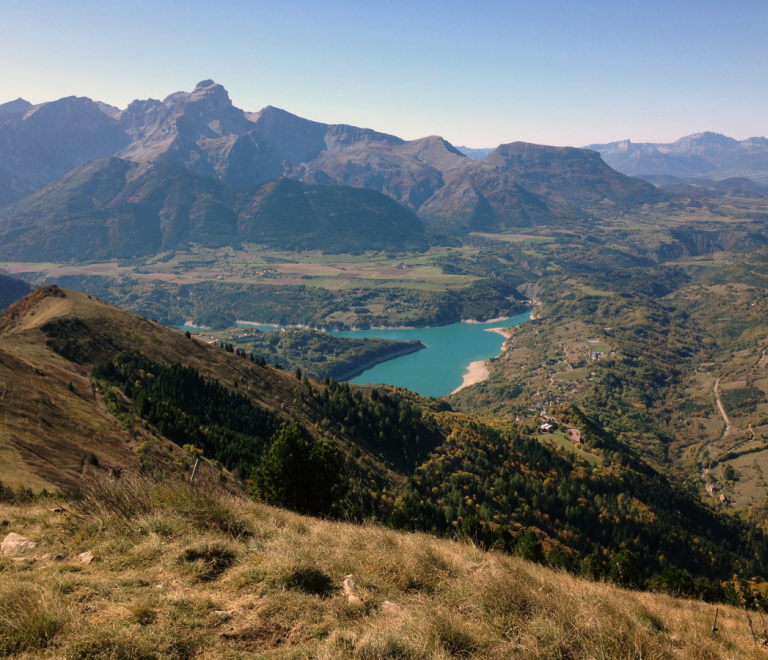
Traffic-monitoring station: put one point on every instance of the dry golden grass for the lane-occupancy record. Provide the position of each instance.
(204, 574)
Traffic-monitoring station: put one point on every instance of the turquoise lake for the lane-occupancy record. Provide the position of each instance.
(438, 369)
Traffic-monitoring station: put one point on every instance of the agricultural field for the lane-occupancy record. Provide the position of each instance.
(252, 265)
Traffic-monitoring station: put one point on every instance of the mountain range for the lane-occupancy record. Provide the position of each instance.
(128, 209)
(701, 155)
(517, 184)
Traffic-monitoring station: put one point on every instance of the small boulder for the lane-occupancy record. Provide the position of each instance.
(85, 557)
(349, 588)
(16, 543)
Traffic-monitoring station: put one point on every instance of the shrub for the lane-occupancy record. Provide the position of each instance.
(626, 570)
(528, 546)
(209, 561)
(309, 579)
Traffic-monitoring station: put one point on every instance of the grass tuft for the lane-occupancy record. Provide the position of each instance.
(143, 612)
(308, 579)
(207, 562)
(28, 620)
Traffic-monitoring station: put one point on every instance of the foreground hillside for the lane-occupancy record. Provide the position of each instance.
(179, 572)
(109, 391)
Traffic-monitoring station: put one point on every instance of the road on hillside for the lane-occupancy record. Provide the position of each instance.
(721, 408)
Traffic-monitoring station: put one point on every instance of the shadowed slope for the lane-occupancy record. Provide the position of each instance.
(117, 209)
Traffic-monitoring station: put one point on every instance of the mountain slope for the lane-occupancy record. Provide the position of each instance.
(116, 208)
(54, 337)
(570, 176)
(195, 572)
(14, 107)
(99, 381)
(710, 155)
(475, 154)
(46, 141)
(205, 133)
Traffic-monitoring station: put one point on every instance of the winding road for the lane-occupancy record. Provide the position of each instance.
(721, 408)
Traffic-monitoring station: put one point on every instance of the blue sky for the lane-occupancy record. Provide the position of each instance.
(478, 73)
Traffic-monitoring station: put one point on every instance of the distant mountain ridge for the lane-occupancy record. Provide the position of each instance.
(203, 132)
(475, 154)
(115, 208)
(709, 155)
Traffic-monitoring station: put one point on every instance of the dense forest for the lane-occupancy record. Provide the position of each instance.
(453, 476)
(319, 354)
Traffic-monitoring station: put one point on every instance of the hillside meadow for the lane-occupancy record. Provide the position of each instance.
(182, 572)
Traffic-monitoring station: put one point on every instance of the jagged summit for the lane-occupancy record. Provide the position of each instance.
(205, 133)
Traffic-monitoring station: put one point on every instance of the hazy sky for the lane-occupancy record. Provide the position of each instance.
(478, 73)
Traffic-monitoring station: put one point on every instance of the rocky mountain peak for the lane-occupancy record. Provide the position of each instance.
(12, 107)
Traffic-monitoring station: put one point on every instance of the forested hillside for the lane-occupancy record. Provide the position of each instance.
(409, 462)
(113, 208)
(317, 354)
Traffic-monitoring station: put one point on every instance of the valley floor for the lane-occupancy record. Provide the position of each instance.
(180, 573)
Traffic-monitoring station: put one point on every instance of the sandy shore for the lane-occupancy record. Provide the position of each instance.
(496, 320)
(476, 372)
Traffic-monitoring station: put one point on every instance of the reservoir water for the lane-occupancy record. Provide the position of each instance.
(438, 369)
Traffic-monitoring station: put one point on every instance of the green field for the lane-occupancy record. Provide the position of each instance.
(513, 238)
(572, 375)
(564, 442)
(252, 265)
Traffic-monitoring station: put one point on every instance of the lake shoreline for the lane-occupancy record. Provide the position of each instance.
(442, 370)
(475, 373)
(358, 369)
(478, 371)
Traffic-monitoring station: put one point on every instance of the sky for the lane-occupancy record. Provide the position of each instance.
(480, 73)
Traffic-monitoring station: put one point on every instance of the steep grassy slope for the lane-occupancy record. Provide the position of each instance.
(71, 422)
(182, 573)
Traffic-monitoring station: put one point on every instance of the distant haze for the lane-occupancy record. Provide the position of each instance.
(478, 74)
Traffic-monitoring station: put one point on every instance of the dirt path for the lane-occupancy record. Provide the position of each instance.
(721, 408)
(763, 358)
